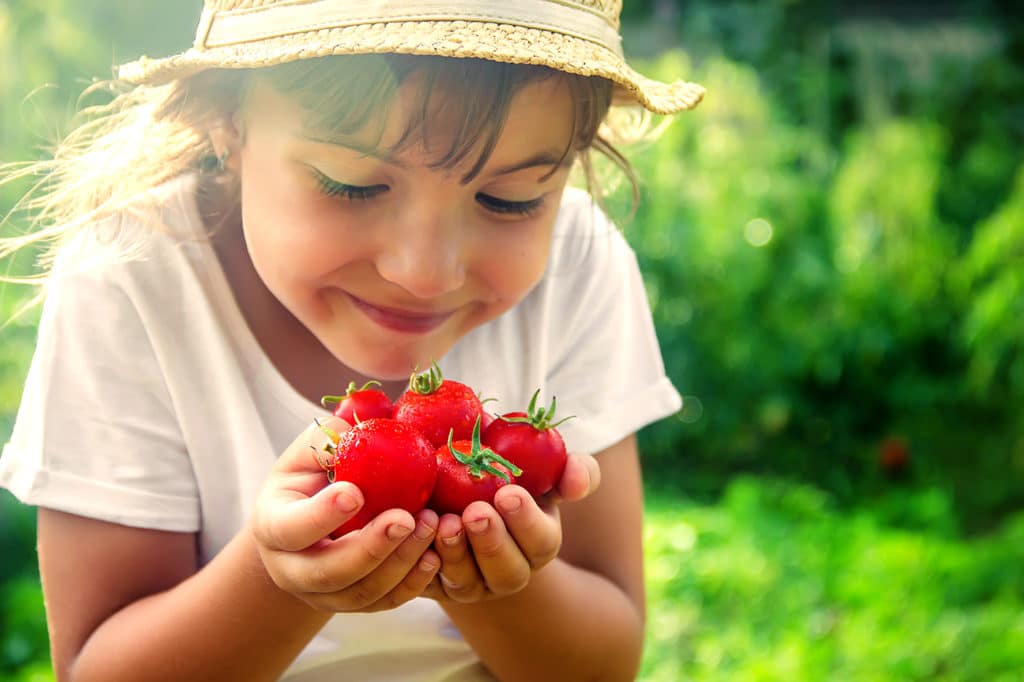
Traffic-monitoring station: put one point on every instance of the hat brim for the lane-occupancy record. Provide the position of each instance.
(497, 42)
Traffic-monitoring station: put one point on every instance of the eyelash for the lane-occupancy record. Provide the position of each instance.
(522, 208)
(332, 188)
(337, 189)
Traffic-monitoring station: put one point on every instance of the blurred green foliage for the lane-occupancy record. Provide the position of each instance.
(832, 246)
(773, 583)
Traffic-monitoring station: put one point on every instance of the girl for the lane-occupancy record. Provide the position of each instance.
(317, 193)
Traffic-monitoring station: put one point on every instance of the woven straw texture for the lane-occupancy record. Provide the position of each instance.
(486, 40)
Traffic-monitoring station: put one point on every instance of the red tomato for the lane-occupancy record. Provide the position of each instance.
(437, 407)
(391, 463)
(530, 441)
(467, 472)
(486, 419)
(360, 404)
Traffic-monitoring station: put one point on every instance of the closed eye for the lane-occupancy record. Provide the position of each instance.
(497, 205)
(333, 188)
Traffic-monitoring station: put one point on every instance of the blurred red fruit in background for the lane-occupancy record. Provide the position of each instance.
(894, 455)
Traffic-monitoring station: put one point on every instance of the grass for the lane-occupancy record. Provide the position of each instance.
(772, 583)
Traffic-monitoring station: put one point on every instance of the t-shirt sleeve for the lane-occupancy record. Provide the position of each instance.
(96, 433)
(607, 367)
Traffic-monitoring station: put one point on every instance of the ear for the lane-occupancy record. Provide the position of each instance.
(226, 139)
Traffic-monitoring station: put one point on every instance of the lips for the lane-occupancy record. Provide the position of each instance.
(404, 321)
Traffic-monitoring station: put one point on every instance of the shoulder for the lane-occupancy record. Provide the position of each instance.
(579, 213)
(584, 238)
(150, 228)
(142, 268)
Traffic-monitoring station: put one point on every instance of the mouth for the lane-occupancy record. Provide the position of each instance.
(398, 320)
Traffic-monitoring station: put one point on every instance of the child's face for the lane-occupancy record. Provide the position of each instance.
(387, 261)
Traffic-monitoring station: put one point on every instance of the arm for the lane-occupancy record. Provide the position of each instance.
(127, 603)
(581, 616)
(132, 604)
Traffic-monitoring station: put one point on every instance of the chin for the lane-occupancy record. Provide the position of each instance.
(389, 363)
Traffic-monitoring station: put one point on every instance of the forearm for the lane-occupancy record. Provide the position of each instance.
(227, 622)
(568, 624)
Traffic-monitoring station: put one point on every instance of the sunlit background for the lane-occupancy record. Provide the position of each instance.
(833, 246)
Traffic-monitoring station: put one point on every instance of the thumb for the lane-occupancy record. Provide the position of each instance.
(297, 523)
(308, 452)
(581, 477)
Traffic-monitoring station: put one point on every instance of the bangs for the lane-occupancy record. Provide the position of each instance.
(468, 100)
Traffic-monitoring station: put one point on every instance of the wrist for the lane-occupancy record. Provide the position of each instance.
(563, 609)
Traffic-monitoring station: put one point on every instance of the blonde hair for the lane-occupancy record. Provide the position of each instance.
(108, 165)
(143, 136)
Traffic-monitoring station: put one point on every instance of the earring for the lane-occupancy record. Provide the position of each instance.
(215, 164)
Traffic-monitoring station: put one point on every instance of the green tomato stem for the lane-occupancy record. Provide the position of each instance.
(480, 459)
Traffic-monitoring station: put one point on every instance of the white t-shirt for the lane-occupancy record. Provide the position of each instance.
(149, 402)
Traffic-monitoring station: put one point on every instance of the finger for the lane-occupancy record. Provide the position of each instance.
(303, 468)
(451, 540)
(538, 534)
(434, 590)
(459, 578)
(335, 565)
(415, 584)
(401, 566)
(581, 478)
(501, 563)
(308, 452)
(295, 523)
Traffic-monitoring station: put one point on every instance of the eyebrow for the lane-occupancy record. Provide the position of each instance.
(546, 158)
(556, 159)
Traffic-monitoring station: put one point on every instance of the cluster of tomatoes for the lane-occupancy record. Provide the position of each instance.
(437, 447)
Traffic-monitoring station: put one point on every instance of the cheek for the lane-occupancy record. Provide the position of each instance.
(290, 234)
(513, 266)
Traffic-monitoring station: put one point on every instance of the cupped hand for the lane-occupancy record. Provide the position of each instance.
(492, 551)
(380, 566)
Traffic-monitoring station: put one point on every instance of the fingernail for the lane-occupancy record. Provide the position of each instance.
(346, 502)
(423, 531)
(397, 531)
(511, 504)
(428, 565)
(478, 526)
(453, 539)
(448, 583)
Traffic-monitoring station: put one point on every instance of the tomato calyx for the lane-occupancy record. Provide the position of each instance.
(325, 454)
(330, 401)
(481, 459)
(539, 418)
(425, 383)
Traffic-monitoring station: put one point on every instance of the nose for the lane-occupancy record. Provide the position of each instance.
(425, 255)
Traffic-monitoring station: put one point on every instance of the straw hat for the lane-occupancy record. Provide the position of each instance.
(575, 36)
